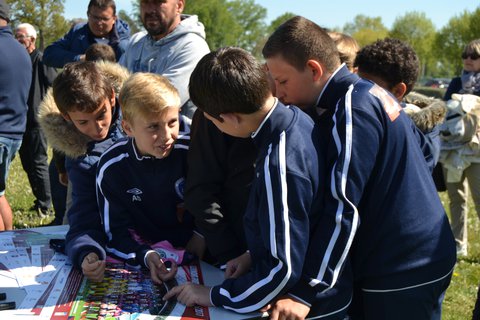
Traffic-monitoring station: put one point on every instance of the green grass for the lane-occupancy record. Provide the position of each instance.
(459, 300)
(21, 199)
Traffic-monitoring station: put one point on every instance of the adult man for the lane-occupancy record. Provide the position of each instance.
(102, 27)
(171, 46)
(33, 152)
(16, 71)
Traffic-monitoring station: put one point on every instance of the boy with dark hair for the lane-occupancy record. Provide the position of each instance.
(393, 65)
(140, 180)
(81, 118)
(100, 52)
(232, 90)
(392, 62)
(380, 205)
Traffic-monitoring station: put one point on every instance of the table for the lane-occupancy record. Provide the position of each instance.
(18, 293)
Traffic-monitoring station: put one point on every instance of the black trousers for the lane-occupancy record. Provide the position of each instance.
(34, 158)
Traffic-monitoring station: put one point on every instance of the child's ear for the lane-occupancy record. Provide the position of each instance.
(112, 99)
(127, 128)
(399, 90)
(315, 68)
(231, 118)
(66, 117)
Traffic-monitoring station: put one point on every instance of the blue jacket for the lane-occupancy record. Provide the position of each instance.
(454, 87)
(86, 233)
(15, 80)
(82, 155)
(79, 38)
(282, 213)
(143, 194)
(381, 206)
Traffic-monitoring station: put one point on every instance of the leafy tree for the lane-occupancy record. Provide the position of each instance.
(248, 18)
(220, 27)
(452, 38)
(230, 23)
(45, 15)
(418, 31)
(279, 20)
(133, 23)
(366, 29)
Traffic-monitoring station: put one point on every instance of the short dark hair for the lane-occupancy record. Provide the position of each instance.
(81, 86)
(229, 80)
(103, 4)
(392, 60)
(100, 52)
(298, 40)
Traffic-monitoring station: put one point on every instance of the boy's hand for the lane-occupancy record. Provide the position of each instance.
(93, 268)
(196, 245)
(287, 308)
(63, 178)
(190, 294)
(158, 270)
(238, 266)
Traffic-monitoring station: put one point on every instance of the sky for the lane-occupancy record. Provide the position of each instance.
(332, 14)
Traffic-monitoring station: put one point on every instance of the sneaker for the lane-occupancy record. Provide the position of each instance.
(461, 250)
(44, 212)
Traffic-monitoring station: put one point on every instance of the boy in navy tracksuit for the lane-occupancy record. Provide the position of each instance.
(394, 65)
(81, 118)
(140, 180)
(232, 90)
(380, 204)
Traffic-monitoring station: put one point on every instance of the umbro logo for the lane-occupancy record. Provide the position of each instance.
(135, 192)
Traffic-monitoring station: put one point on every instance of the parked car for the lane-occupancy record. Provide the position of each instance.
(437, 83)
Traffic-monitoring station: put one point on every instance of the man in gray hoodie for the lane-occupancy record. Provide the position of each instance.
(172, 45)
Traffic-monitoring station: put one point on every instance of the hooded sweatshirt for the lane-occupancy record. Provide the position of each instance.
(86, 231)
(174, 56)
(15, 79)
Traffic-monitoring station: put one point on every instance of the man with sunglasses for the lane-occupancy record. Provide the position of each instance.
(102, 27)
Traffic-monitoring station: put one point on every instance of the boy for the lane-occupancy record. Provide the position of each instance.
(380, 205)
(220, 174)
(81, 118)
(140, 180)
(232, 90)
(394, 65)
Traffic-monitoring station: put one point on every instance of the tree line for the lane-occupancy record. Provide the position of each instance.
(242, 23)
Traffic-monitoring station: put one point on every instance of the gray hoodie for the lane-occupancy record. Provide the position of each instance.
(174, 56)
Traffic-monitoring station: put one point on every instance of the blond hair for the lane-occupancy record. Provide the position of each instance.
(146, 93)
(347, 47)
(472, 47)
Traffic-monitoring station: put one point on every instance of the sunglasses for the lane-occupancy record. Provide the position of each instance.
(473, 56)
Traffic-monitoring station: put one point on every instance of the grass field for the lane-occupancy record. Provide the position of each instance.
(459, 300)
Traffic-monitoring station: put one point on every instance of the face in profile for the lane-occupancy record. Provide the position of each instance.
(155, 134)
(96, 124)
(291, 85)
(160, 17)
(101, 21)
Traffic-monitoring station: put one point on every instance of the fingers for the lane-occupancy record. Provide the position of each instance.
(153, 275)
(266, 308)
(168, 274)
(230, 270)
(173, 292)
(159, 271)
(94, 271)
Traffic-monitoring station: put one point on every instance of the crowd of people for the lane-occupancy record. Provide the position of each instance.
(308, 177)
